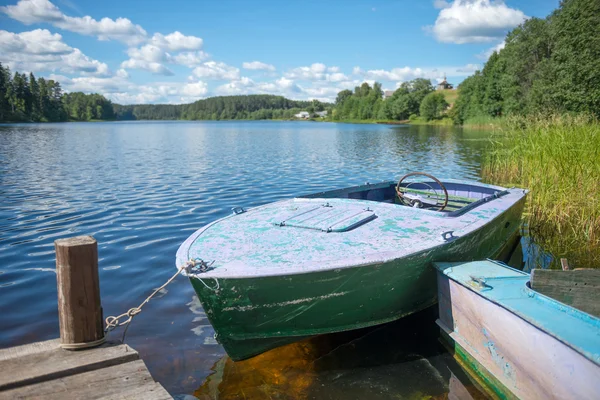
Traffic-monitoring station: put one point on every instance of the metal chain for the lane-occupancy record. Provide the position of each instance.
(195, 265)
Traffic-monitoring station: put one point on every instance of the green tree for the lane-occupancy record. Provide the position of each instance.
(5, 83)
(433, 106)
(34, 89)
(342, 96)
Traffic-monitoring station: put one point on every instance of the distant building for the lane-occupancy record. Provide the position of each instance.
(443, 85)
(321, 114)
(387, 94)
(302, 115)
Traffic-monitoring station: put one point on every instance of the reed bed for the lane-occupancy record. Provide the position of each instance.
(558, 159)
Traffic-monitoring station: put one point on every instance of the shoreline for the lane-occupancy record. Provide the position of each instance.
(443, 122)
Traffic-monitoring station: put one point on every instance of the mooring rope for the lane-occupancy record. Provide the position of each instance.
(193, 265)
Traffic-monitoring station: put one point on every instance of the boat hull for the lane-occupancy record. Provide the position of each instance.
(253, 315)
(516, 343)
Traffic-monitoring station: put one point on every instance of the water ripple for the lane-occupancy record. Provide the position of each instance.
(142, 188)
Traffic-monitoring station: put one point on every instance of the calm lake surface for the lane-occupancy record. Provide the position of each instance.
(141, 188)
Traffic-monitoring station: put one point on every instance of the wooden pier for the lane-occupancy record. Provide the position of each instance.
(44, 370)
(81, 364)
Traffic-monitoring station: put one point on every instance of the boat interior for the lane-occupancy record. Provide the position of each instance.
(450, 198)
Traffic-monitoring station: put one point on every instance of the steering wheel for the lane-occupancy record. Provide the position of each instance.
(419, 200)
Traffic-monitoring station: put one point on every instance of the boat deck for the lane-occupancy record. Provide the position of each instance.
(311, 234)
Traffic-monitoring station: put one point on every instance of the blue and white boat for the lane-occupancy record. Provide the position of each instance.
(517, 342)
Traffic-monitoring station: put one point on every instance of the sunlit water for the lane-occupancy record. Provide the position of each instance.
(141, 188)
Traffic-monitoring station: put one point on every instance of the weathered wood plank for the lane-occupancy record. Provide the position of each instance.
(577, 288)
(27, 349)
(35, 367)
(131, 380)
(79, 309)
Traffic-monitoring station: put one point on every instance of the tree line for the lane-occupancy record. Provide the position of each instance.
(549, 65)
(259, 106)
(416, 98)
(25, 98)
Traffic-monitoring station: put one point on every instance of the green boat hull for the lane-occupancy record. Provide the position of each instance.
(253, 315)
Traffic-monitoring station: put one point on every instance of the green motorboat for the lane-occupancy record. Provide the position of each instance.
(342, 259)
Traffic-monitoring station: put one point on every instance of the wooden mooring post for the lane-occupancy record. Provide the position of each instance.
(99, 369)
(78, 284)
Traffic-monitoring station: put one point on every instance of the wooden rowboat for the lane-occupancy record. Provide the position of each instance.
(516, 341)
(340, 260)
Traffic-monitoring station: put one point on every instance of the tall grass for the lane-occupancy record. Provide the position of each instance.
(484, 121)
(558, 159)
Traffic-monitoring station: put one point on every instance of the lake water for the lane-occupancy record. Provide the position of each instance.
(141, 188)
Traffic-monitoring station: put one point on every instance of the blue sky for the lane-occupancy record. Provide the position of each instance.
(180, 51)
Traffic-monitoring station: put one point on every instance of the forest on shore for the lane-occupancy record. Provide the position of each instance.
(257, 106)
(25, 98)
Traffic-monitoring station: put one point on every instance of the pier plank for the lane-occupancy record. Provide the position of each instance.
(131, 380)
(578, 288)
(27, 349)
(47, 361)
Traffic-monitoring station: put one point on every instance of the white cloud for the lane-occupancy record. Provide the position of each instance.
(155, 67)
(39, 42)
(195, 89)
(286, 84)
(316, 72)
(152, 57)
(327, 92)
(395, 74)
(41, 50)
(92, 84)
(484, 55)
(282, 86)
(243, 85)
(257, 65)
(34, 11)
(190, 58)
(120, 90)
(471, 21)
(216, 70)
(176, 41)
(313, 72)
(122, 74)
(43, 11)
(149, 58)
(149, 53)
(407, 73)
(337, 77)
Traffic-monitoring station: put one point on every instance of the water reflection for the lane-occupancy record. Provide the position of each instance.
(400, 360)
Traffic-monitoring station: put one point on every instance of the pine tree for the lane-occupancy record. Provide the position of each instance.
(34, 89)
